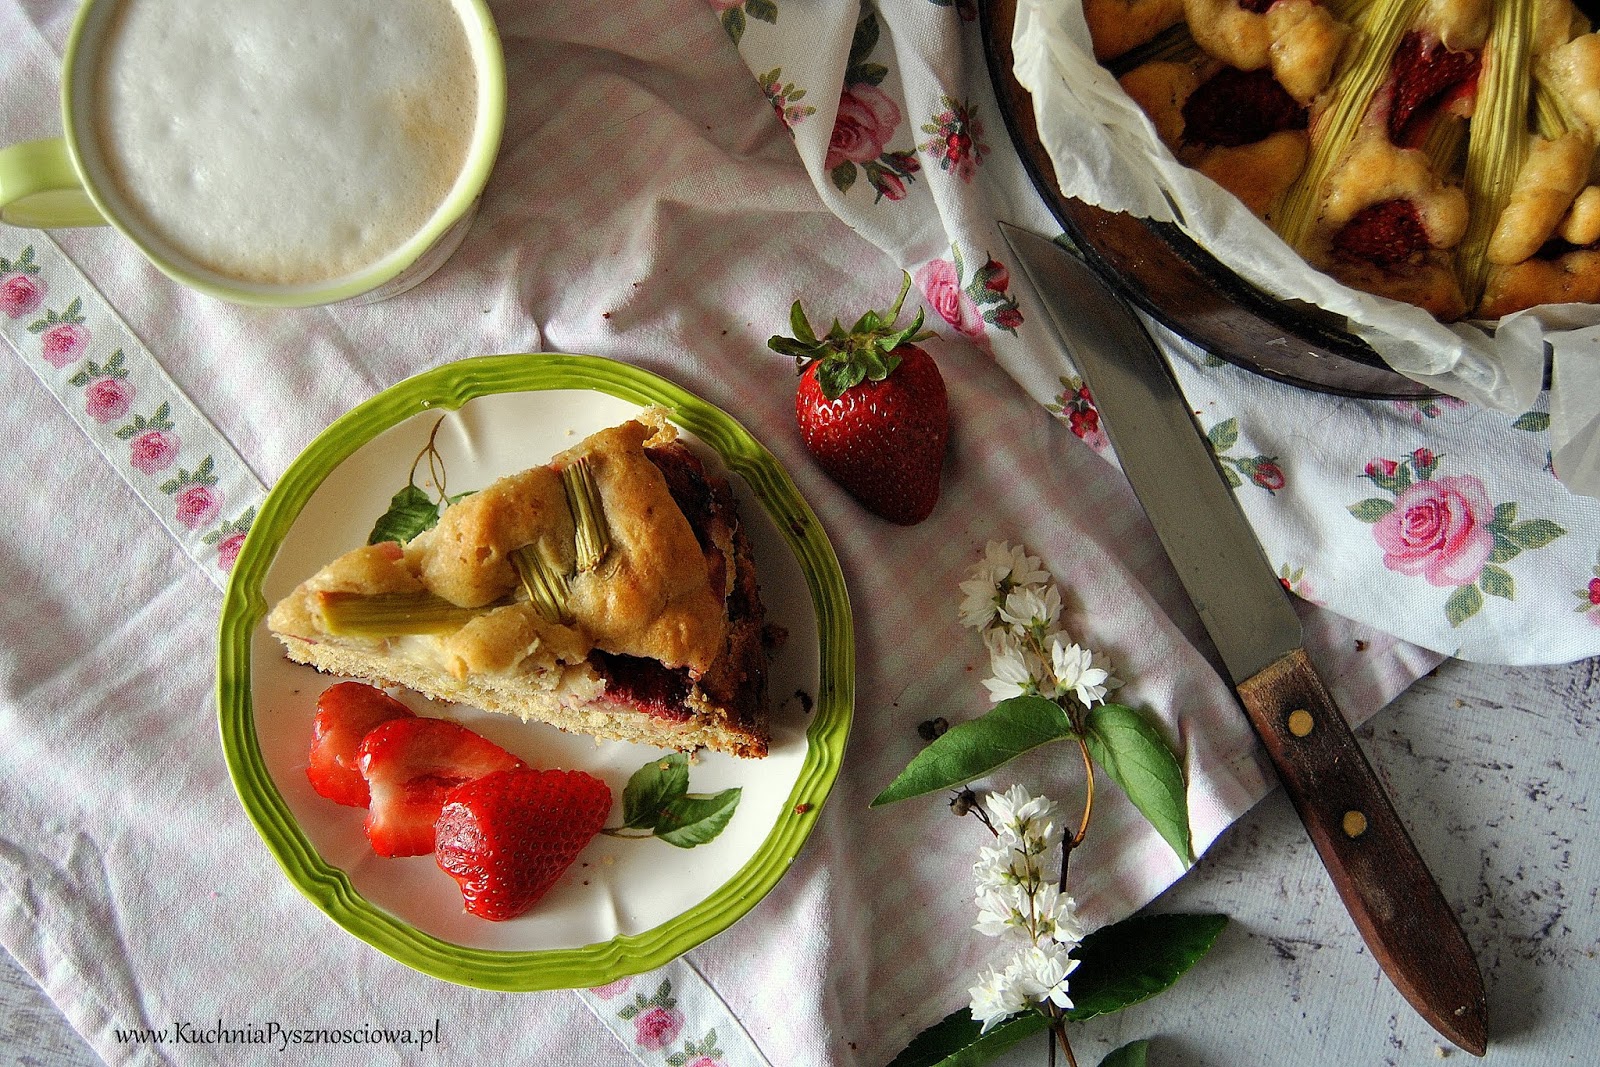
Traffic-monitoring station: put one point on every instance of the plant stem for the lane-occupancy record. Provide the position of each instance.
(1059, 1023)
(1060, 1029)
(1070, 843)
(1088, 797)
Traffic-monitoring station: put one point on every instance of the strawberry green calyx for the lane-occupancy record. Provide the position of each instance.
(846, 358)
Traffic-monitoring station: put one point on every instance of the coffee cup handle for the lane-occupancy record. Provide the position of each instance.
(39, 187)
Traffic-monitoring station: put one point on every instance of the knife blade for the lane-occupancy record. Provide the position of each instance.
(1393, 899)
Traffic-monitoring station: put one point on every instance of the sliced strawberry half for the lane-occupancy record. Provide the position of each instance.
(1386, 233)
(1238, 107)
(409, 765)
(1428, 79)
(346, 713)
(508, 837)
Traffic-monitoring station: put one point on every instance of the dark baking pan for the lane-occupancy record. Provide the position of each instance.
(1164, 272)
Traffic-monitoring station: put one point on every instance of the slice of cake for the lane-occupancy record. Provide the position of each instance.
(610, 592)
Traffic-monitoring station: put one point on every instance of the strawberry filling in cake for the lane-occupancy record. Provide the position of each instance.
(611, 592)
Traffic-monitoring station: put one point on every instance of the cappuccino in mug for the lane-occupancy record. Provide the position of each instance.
(277, 142)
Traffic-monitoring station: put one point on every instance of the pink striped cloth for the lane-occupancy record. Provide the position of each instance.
(650, 206)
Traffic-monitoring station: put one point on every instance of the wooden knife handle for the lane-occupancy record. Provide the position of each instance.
(1396, 904)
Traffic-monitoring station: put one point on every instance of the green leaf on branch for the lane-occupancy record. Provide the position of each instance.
(1120, 965)
(693, 820)
(1132, 751)
(657, 802)
(652, 789)
(1133, 960)
(972, 749)
(1130, 1055)
(411, 511)
(955, 1041)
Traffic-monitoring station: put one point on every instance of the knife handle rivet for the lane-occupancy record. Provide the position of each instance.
(1355, 824)
(1301, 723)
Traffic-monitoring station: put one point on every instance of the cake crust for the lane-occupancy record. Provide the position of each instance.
(660, 643)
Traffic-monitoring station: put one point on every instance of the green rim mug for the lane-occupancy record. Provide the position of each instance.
(45, 183)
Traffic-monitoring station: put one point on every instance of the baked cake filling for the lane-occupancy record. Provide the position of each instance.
(610, 592)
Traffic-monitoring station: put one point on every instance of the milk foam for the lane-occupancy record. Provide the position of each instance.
(284, 141)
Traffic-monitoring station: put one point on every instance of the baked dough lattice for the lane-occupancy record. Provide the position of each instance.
(1437, 152)
(660, 640)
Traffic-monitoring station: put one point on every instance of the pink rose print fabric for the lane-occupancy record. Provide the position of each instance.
(1263, 472)
(974, 305)
(785, 99)
(867, 120)
(918, 161)
(1438, 529)
(735, 15)
(1445, 529)
(656, 1028)
(153, 445)
(122, 399)
(21, 288)
(1075, 407)
(662, 1031)
(957, 144)
(671, 1017)
(1589, 597)
(940, 282)
(63, 337)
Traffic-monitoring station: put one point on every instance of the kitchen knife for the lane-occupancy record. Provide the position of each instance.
(1396, 904)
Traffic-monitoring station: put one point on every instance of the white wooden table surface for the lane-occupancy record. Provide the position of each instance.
(1496, 771)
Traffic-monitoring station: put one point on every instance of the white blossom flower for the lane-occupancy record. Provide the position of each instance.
(1040, 973)
(1002, 866)
(1004, 567)
(1055, 916)
(1013, 677)
(1075, 671)
(1004, 910)
(1025, 818)
(1003, 641)
(980, 603)
(1032, 607)
(1016, 900)
(1020, 568)
(995, 998)
(1064, 925)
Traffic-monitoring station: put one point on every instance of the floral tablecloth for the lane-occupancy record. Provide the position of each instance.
(673, 177)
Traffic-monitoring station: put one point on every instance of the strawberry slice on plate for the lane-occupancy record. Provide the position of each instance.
(410, 765)
(346, 713)
(508, 837)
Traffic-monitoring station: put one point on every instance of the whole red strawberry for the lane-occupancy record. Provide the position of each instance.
(872, 409)
(507, 837)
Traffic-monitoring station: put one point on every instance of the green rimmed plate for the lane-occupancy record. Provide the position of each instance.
(630, 905)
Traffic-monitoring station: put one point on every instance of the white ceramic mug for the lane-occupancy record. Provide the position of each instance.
(272, 152)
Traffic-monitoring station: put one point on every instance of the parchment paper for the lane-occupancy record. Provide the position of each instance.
(1106, 153)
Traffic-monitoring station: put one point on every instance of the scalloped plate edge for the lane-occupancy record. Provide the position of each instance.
(329, 888)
